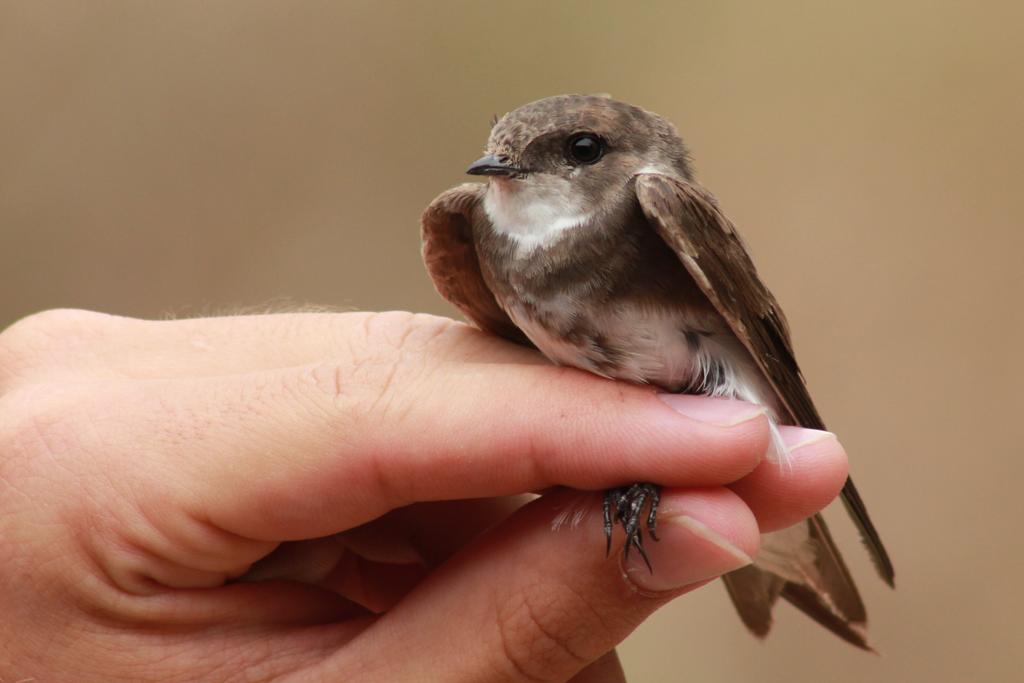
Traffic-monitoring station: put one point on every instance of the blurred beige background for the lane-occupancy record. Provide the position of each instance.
(183, 157)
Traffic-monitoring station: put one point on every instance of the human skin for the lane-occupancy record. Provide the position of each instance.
(324, 497)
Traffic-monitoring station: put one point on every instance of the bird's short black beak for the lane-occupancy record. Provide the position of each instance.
(492, 165)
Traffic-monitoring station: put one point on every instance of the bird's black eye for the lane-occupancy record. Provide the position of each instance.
(585, 148)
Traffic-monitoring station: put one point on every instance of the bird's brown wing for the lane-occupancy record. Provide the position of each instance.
(688, 219)
(451, 260)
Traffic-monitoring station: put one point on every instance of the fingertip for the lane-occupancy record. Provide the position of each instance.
(784, 492)
(821, 458)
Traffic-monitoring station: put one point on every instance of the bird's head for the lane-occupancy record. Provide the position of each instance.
(580, 143)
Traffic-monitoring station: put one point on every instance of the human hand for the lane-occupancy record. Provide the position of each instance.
(339, 497)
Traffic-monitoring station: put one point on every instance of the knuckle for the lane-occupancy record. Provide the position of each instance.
(55, 322)
(41, 336)
(330, 394)
(391, 350)
(544, 638)
(330, 379)
(400, 331)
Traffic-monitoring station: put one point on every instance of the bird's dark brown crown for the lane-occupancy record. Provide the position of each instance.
(623, 125)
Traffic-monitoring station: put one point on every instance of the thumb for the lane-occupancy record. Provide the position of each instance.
(536, 599)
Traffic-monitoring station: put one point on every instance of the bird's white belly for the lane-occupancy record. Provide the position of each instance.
(655, 350)
(671, 349)
(648, 346)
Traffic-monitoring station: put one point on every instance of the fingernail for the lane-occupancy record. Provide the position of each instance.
(688, 552)
(796, 439)
(722, 412)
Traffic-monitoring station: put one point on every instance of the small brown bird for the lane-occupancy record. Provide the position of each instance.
(592, 242)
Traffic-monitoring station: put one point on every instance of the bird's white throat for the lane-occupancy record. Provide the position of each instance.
(534, 214)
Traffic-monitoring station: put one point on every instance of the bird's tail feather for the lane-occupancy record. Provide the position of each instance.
(802, 565)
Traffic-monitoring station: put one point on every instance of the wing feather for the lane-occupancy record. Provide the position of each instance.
(688, 219)
(451, 259)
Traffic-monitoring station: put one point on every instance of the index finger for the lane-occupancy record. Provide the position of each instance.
(316, 449)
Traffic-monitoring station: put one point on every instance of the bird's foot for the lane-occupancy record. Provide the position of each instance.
(625, 506)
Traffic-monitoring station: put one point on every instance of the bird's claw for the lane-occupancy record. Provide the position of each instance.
(625, 506)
